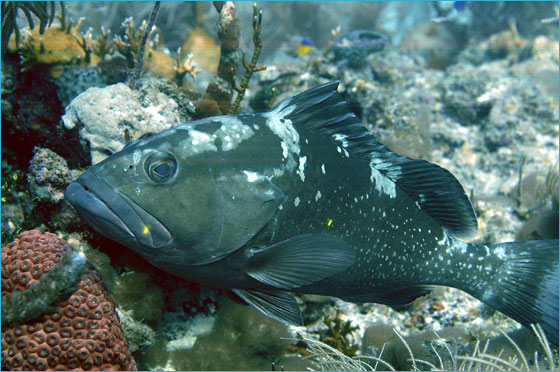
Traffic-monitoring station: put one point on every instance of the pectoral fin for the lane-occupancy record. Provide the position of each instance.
(275, 305)
(301, 260)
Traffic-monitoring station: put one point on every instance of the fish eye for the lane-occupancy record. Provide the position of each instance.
(160, 166)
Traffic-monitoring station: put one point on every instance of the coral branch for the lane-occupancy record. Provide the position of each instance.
(251, 67)
(140, 61)
(217, 98)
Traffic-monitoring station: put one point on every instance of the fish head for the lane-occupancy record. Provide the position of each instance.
(175, 197)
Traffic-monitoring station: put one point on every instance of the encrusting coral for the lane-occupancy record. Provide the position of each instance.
(59, 315)
(60, 44)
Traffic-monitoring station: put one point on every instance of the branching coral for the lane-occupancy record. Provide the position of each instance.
(183, 68)
(339, 333)
(217, 98)
(250, 67)
(129, 44)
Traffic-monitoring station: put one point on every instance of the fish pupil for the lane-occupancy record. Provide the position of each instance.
(162, 170)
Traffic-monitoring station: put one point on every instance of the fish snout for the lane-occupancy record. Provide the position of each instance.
(115, 215)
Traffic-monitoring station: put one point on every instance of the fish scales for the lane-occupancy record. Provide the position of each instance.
(303, 199)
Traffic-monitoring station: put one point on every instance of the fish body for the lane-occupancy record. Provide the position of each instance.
(303, 199)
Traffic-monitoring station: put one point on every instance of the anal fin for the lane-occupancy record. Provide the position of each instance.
(276, 305)
(395, 297)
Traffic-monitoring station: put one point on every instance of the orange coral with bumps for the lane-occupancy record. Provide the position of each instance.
(83, 333)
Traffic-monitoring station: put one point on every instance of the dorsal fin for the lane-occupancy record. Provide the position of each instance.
(437, 192)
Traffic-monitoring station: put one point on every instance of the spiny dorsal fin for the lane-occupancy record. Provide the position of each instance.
(436, 191)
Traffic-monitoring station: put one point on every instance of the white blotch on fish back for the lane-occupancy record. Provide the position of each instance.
(385, 182)
(231, 133)
(296, 201)
(284, 149)
(289, 137)
(342, 138)
(199, 142)
(251, 176)
(301, 168)
(323, 169)
(318, 195)
(382, 184)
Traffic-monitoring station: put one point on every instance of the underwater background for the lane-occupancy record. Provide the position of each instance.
(470, 86)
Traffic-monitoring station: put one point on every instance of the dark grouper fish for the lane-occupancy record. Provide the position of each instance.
(303, 199)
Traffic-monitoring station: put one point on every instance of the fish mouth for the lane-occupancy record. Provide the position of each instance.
(115, 215)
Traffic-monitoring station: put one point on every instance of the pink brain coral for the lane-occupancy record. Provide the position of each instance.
(83, 332)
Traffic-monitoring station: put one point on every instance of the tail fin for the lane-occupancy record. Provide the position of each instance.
(528, 292)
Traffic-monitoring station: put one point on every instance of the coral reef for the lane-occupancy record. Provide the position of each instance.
(75, 81)
(49, 175)
(105, 115)
(435, 42)
(217, 98)
(55, 47)
(355, 46)
(72, 330)
(9, 18)
(240, 339)
(339, 334)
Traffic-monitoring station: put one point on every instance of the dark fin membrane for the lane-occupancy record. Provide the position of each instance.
(276, 305)
(300, 260)
(436, 191)
(529, 292)
(395, 297)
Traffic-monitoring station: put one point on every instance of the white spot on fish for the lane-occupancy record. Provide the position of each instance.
(231, 133)
(318, 195)
(199, 142)
(500, 252)
(342, 138)
(284, 149)
(251, 176)
(296, 201)
(137, 190)
(323, 169)
(284, 129)
(301, 168)
(382, 183)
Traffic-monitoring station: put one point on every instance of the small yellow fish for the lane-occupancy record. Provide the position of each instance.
(304, 47)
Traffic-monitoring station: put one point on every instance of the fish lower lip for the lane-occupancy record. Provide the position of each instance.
(114, 214)
(91, 207)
